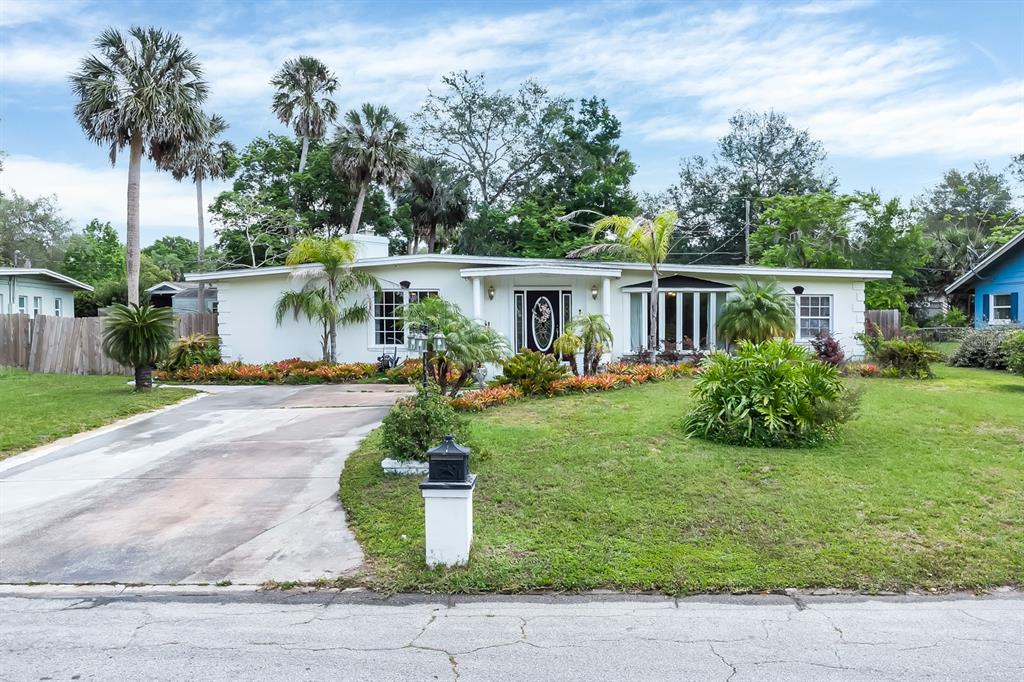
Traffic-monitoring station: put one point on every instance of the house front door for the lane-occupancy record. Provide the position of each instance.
(540, 317)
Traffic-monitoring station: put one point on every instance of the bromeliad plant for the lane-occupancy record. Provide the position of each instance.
(138, 336)
(771, 394)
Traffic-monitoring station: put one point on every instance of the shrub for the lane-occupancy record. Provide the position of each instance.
(409, 372)
(770, 394)
(906, 359)
(416, 424)
(982, 348)
(195, 349)
(826, 348)
(1013, 347)
(532, 372)
(866, 369)
(594, 382)
(292, 371)
(475, 401)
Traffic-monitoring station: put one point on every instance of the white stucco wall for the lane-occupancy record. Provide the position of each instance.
(249, 331)
(11, 287)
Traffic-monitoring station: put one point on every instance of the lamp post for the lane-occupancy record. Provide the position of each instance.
(419, 341)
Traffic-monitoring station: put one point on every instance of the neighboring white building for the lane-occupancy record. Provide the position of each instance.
(527, 300)
(181, 297)
(38, 291)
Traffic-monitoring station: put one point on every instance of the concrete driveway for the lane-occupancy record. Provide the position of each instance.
(240, 485)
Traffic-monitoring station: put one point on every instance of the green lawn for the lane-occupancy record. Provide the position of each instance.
(926, 489)
(38, 408)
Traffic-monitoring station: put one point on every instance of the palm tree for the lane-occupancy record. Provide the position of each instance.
(595, 337)
(143, 90)
(436, 196)
(760, 312)
(336, 277)
(138, 336)
(468, 344)
(637, 239)
(312, 304)
(204, 157)
(372, 148)
(302, 100)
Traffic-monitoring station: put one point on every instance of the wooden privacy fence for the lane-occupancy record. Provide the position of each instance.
(73, 345)
(888, 321)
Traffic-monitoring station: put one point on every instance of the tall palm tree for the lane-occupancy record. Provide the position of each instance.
(144, 91)
(372, 148)
(637, 239)
(336, 277)
(760, 311)
(437, 197)
(204, 157)
(312, 304)
(302, 99)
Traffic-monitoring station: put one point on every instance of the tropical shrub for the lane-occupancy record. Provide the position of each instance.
(760, 311)
(982, 348)
(194, 349)
(771, 394)
(475, 401)
(567, 345)
(293, 371)
(866, 369)
(1013, 347)
(906, 359)
(827, 349)
(418, 423)
(138, 336)
(595, 336)
(532, 372)
(409, 372)
(594, 382)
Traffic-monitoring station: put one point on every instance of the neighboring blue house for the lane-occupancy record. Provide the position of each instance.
(994, 288)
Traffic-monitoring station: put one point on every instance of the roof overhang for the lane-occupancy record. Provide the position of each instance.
(43, 272)
(557, 270)
(680, 282)
(971, 274)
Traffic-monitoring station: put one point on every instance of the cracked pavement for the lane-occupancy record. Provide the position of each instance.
(47, 632)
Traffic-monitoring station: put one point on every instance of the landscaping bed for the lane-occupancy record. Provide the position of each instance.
(39, 408)
(293, 371)
(924, 490)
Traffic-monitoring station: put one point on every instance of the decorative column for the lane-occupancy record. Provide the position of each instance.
(478, 299)
(606, 299)
(696, 320)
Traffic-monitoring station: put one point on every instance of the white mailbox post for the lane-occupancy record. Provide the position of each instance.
(448, 505)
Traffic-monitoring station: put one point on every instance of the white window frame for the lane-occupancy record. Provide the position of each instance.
(992, 307)
(37, 306)
(798, 317)
(58, 307)
(22, 304)
(398, 334)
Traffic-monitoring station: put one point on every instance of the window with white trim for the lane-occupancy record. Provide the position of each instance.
(37, 305)
(3, 311)
(1002, 307)
(23, 304)
(813, 314)
(58, 307)
(388, 326)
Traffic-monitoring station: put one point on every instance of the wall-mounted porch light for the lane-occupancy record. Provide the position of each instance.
(593, 291)
(490, 293)
(798, 290)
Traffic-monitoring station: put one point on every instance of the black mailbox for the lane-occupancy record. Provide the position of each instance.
(449, 462)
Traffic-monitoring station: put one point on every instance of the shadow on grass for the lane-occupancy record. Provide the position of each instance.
(1009, 388)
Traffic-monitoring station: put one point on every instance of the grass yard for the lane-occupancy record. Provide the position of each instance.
(926, 490)
(39, 408)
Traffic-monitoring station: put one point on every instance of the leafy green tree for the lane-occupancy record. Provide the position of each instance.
(978, 201)
(759, 312)
(336, 277)
(252, 233)
(138, 336)
(177, 255)
(302, 99)
(761, 156)
(640, 239)
(469, 344)
(888, 237)
(437, 198)
(804, 231)
(371, 149)
(34, 228)
(95, 255)
(144, 91)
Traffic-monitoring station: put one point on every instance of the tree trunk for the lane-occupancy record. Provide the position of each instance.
(305, 150)
(414, 243)
(132, 238)
(358, 213)
(143, 378)
(460, 382)
(201, 294)
(432, 238)
(652, 332)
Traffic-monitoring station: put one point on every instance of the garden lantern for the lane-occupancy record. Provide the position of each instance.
(448, 504)
(440, 343)
(417, 342)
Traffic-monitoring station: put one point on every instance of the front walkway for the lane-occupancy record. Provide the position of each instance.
(232, 634)
(239, 485)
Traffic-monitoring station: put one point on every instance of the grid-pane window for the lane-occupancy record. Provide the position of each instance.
(37, 305)
(1001, 308)
(58, 307)
(23, 304)
(813, 314)
(389, 329)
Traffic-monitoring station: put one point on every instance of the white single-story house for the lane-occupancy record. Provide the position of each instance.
(38, 291)
(527, 300)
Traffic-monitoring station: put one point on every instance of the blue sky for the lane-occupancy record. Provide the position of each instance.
(898, 92)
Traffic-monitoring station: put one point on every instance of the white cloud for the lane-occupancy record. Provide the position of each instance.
(84, 193)
(18, 12)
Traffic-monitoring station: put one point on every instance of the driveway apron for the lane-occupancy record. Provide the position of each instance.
(239, 485)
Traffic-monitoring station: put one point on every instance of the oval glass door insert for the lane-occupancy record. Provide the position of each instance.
(543, 323)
